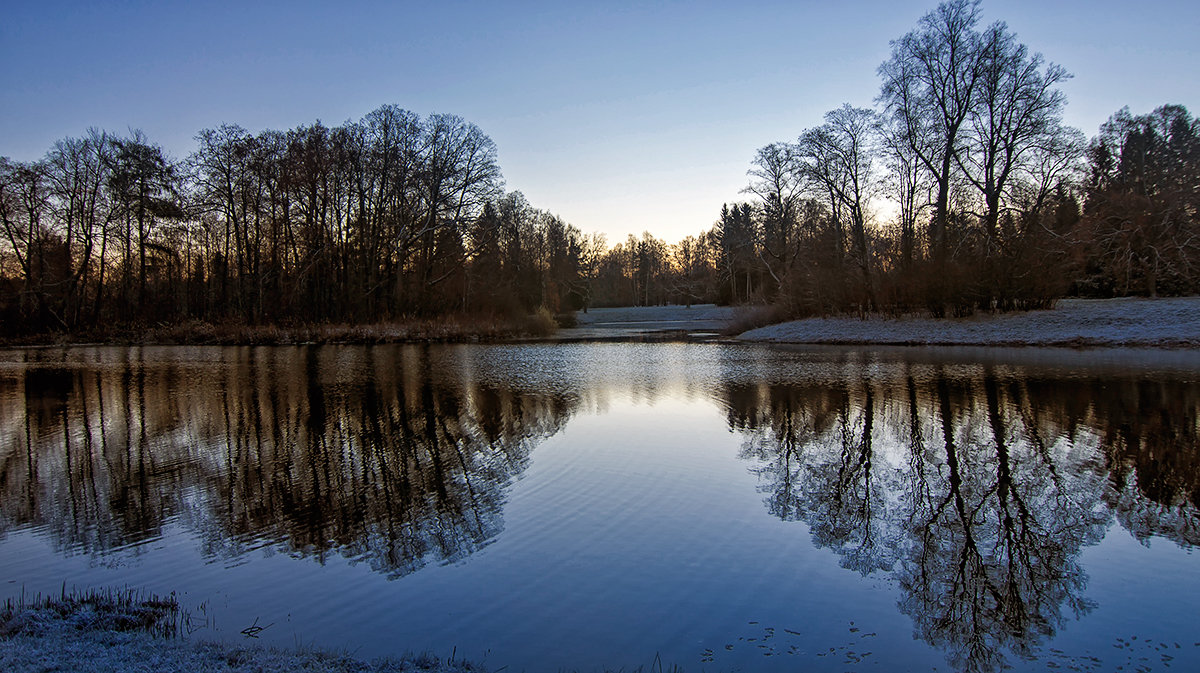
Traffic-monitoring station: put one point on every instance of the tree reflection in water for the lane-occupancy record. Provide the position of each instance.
(392, 456)
(975, 487)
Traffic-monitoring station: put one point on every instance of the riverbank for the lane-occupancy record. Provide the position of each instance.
(598, 324)
(1126, 322)
(446, 329)
(119, 632)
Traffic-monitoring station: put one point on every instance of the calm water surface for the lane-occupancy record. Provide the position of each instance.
(547, 507)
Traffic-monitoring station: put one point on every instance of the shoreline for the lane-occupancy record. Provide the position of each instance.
(101, 631)
(454, 329)
(1171, 323)
(1131, 322)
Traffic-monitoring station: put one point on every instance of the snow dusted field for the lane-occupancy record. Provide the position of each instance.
(1137, 322)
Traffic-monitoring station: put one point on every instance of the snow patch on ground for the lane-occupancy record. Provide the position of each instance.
(1160, 323)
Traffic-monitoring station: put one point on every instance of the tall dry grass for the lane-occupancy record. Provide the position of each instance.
(454, 328)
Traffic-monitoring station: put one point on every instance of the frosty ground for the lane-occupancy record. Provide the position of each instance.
(639, 321)
(1161, 323)
(1126, 322)
(103, 632)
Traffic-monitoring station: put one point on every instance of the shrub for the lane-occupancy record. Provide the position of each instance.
(750, 317)
(541, 323)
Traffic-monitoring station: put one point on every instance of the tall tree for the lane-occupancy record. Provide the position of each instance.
(777, 180)
(225, 186)
(930, 88)
(25, 216)
(908, 187)
(76, 171)
(1018, 111)
(1143, 201)
(146, 185)
(458, 175)
(838, 159)
(735, 242)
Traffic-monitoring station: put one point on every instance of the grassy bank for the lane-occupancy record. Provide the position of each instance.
(120, 631)
(446, 329)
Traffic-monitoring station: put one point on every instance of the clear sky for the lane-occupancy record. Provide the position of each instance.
(620, 117)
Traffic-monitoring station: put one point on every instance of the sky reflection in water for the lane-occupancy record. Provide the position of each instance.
(572, 506)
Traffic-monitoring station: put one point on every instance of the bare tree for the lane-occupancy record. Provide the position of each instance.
(76, 171)
(930, 88)
(1018, 112)
(776, 179)
(591, 254)
(908, 187)
(838, 160)
(693, 268)
(458, 174)
(42, 255)
(146, 185)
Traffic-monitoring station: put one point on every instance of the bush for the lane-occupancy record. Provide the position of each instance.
(541, 323)
(750, 317)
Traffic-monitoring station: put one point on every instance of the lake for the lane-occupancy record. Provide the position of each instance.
(580, 506)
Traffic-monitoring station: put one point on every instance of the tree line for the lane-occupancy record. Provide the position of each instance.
(388, 216)
(962, 190)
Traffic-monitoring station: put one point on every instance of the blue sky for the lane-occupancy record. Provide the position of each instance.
(620, 117)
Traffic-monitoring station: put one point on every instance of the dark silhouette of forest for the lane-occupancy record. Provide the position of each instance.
(962, 190)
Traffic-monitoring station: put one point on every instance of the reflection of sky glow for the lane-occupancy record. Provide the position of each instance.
(574, 506)
(619, 118)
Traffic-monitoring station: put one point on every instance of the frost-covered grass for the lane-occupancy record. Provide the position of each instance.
(1159, 323)
(654, 314)
(89, 611)
(111, 632)
(635, 321)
